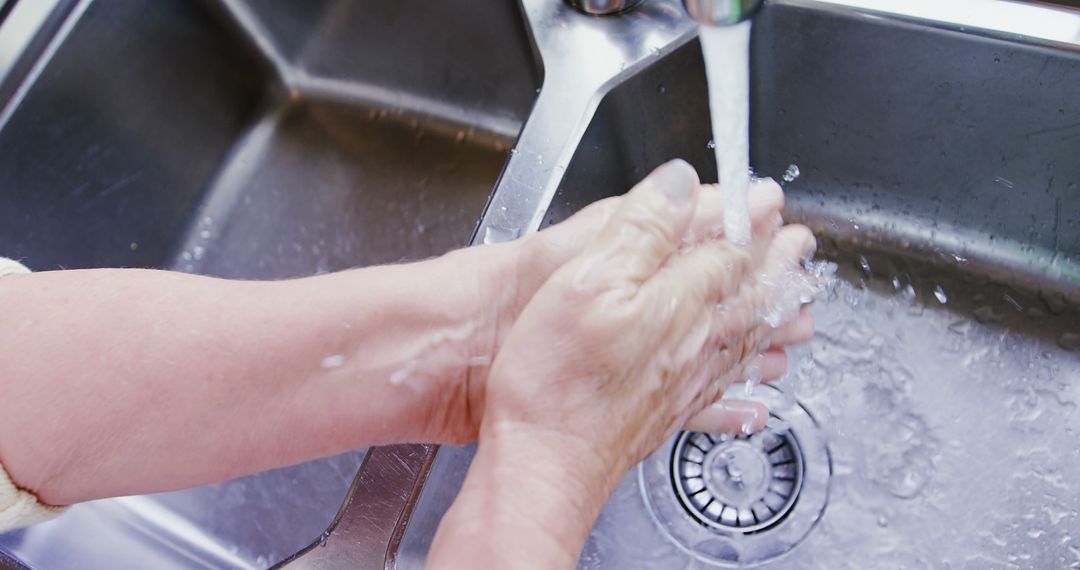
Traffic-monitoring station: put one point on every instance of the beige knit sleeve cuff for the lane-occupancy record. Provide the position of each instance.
(11, 267)
(19, 508)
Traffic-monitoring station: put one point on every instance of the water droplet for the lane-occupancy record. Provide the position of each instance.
(333, 361)
(939, 294)
(1004, 182)
(791, 173)
(711, 145)
(497, 234)
(864, 265)
(661, 89)
(460, 136)
(1070, 341)
(909, 293)
(205, 234)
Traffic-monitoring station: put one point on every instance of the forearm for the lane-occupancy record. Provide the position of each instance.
(525, 503)
(124, 381)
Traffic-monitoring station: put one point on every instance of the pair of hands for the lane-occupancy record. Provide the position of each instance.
(628, 321)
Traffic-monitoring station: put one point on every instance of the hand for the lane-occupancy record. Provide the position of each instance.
(522, 266)
(641, 326)
(625, 343)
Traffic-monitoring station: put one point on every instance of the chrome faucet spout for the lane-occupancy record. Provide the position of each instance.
(704, 12)
(721, 12)
(605, 7)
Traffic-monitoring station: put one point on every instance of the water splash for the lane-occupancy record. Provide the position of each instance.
(791, 173)
(952, 439)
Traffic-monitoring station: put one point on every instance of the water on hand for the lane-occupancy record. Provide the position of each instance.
(951, 410)
(727, 67)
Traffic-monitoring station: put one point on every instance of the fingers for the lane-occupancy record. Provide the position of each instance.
(796, 331)
(650, 222)
(712, 271)
(730, 416)
(773, 363)
(765, 201)
(791, 244)
(783, 286)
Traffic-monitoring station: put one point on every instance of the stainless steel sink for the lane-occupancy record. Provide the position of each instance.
(936, 410)
(249, 139)
(934, 417)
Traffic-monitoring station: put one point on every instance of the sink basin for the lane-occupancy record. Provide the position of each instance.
(250, 139)
(945, 376)
(932, 420)
(938, 402)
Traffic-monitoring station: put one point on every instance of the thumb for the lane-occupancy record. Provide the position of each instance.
(650, 223)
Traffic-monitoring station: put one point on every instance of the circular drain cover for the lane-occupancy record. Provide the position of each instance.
(737, 482)
(741, 500)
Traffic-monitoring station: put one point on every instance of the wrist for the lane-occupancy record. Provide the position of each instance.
(481, 284)
(529, 500)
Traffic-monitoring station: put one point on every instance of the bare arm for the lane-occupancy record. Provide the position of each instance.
(118, 382)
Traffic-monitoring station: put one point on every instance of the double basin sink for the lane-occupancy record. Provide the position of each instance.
(269, 139)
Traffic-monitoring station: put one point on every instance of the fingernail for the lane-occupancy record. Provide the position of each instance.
(765, 191)
(811, 245)
(751, 418)
(676, 180)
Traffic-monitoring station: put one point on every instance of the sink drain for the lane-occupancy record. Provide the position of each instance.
(741, 500)
(737, 482)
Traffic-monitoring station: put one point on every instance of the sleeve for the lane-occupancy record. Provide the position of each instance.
(19, 507)
(11, 267)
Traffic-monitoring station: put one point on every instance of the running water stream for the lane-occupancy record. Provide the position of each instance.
(727, 67)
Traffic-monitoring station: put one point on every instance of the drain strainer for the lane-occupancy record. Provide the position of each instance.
(739, 500)
(737, 482)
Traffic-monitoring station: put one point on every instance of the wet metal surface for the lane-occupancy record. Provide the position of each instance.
(263, 144)
(253, 139)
